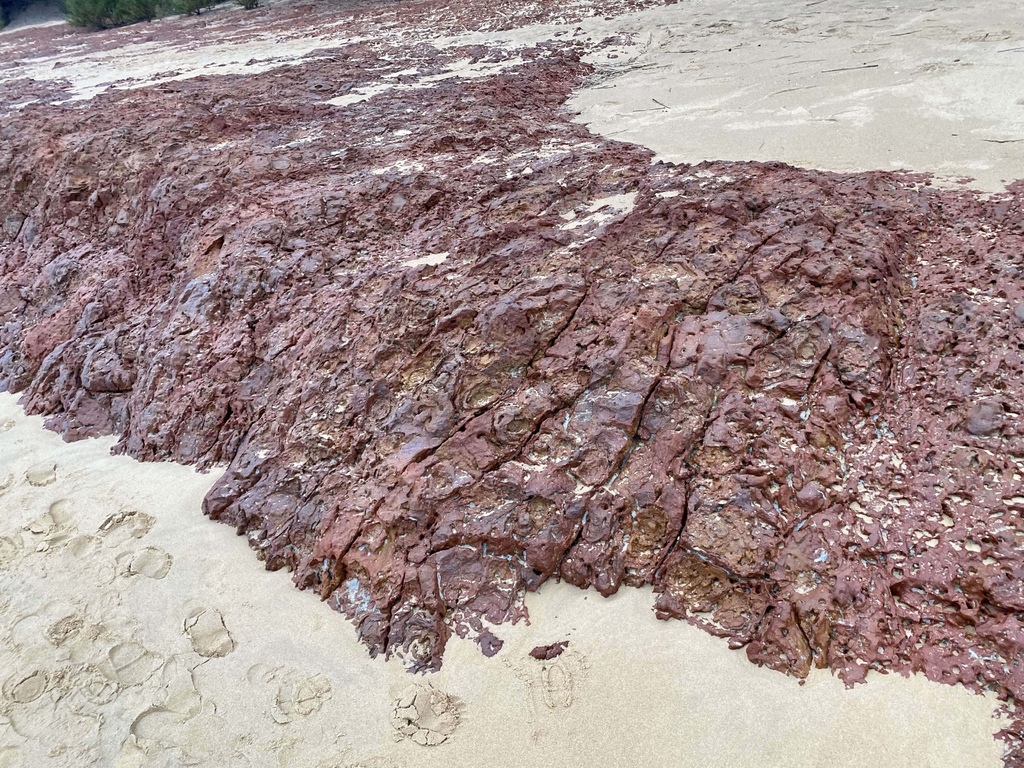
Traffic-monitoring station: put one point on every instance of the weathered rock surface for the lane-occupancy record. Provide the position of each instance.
(440, 371)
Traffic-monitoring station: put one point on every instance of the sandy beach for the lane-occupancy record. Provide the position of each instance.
(135, 632)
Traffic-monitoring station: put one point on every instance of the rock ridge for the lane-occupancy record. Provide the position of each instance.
(450, 345)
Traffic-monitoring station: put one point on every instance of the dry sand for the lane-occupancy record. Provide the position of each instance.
(922, 86)
(134, 632)
(843, 86)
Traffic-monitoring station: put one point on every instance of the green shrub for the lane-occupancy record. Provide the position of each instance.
(101, 14)
(131, 11)
(186, 7)
(87, 13)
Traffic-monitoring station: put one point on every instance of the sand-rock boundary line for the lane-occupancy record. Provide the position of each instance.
(451, 345)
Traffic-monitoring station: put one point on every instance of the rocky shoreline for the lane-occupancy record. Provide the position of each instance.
(451, 345)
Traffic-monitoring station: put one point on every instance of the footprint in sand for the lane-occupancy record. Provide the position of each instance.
(160, 738)
(90, 689)
(557, 685)
(85, 552)
(561, 678)
(178, 687)
(25, 686)
(132, 664)
(42, 474)
(63, 736)
(425, 714)
(125, 525)
(295, 694)
(553, 684)
(84, 546)
(10, 551)
(151, 562)
(6, 481)
(33, 634)
(54, 527)
(64, 629)
(177, 703)
(210, 637)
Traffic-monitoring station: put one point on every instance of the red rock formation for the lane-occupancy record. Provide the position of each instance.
(788, 399)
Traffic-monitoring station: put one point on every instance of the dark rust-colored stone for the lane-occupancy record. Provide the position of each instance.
(549, 652)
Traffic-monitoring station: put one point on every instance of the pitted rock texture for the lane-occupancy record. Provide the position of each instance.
(440, 371)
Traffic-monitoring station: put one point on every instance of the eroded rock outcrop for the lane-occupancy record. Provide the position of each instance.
(450, 345)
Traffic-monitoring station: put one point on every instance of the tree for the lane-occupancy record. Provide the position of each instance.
(101, 14)
(186, 7)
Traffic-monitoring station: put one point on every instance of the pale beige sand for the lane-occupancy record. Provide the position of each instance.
(137, 64)
(858, 85)
(134, 632)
